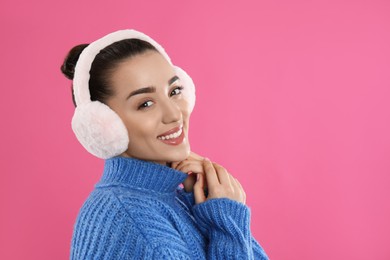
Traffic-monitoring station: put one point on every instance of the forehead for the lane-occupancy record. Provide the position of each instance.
(147, 69)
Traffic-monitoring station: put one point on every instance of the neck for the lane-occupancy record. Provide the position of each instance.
(126, 155)
(141, 174)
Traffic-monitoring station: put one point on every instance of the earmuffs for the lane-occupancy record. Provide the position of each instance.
(97, 127)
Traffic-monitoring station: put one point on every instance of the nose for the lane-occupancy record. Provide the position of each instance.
(170, 112)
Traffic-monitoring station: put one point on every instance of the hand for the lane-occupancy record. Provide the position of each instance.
(220, 184)
(192, 165)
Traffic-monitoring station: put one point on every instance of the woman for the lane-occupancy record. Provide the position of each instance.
(132, 109)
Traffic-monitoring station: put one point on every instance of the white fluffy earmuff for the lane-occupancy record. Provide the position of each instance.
(97, 127)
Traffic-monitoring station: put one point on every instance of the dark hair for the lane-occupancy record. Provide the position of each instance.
(103, 64)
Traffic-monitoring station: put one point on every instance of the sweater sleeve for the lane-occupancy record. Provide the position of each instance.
(226, 223)
(114, 227)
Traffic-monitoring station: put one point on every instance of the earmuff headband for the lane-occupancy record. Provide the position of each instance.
(97, 127)
(84, 63)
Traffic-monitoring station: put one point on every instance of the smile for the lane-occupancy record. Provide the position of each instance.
(171, 136)
(174, 138)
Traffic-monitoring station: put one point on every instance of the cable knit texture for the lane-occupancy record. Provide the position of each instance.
(138, 211)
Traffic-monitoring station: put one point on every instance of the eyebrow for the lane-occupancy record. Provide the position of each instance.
(142, 91)
(172, 80)
(150, 89)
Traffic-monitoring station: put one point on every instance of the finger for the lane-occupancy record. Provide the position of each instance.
(175, 164)
(191, 167)
(199, 189)
(186, 161)
(211, 175)
(189, 182)
(238, 184)
(191, 157)
(223, 175)
(240, 190)
(234, 183)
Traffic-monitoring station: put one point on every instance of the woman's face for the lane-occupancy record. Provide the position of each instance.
(147, 97)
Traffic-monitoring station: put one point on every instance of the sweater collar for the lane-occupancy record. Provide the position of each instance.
(141, 174)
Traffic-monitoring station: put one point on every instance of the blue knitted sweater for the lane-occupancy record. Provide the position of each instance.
(138, 211)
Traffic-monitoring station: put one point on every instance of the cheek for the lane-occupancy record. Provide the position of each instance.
(141, 127)
(185, 110)
(140, 130)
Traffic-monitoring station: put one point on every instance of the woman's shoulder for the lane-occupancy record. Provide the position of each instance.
(133, 206)
(124, 215)
(101, 200)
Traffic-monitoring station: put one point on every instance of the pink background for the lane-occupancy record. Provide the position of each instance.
(292, 98)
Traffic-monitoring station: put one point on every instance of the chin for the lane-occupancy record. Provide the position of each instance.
(178, 155)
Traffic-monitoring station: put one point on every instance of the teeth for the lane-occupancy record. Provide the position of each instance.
(174, 135)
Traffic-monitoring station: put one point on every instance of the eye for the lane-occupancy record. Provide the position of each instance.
(176, 91)
(146, 104)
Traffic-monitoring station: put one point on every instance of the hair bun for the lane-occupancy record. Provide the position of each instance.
(71, 59)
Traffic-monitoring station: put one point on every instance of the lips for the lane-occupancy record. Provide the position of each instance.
(172, 131)
(174, 136)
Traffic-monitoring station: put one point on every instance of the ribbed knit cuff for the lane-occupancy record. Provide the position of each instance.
(223, 215)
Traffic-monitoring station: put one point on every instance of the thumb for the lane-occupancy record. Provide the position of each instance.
(199, 189)
(174, 165)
